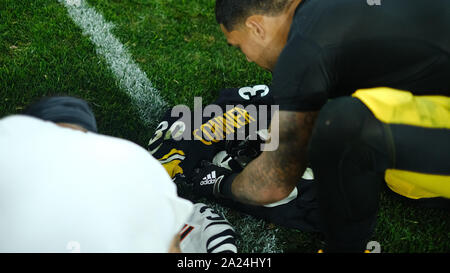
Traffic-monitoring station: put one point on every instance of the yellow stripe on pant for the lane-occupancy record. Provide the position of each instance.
(418, 185)
(393, 106)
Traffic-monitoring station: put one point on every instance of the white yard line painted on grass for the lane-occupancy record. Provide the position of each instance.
(131, 78)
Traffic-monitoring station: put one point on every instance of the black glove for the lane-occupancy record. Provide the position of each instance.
(208, 178)
(243, 152)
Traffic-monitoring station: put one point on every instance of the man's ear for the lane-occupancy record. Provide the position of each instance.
(255, 25)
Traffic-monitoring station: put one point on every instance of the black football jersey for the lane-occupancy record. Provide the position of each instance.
(337, 47)
(231, 138)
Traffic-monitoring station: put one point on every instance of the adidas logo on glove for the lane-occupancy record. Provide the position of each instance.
(211, 179)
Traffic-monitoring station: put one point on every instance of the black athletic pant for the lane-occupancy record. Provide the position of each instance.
(349, 152)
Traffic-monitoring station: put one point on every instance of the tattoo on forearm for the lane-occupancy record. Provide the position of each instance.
(280, 169)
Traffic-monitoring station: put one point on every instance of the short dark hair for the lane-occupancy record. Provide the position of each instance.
(63, 109)
(231, 13)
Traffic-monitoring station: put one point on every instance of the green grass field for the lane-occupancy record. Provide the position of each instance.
(181, 49)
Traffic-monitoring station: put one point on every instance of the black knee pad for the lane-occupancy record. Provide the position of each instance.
(347, 152)
(340, 120)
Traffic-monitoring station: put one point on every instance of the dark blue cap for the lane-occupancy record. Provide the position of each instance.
(64, 110)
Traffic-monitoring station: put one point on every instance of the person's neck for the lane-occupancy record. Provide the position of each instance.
(285, 20)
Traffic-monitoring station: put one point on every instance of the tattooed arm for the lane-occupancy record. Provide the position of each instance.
(273, 175)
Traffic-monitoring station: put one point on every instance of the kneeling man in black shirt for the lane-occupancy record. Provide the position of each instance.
(363, 92)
